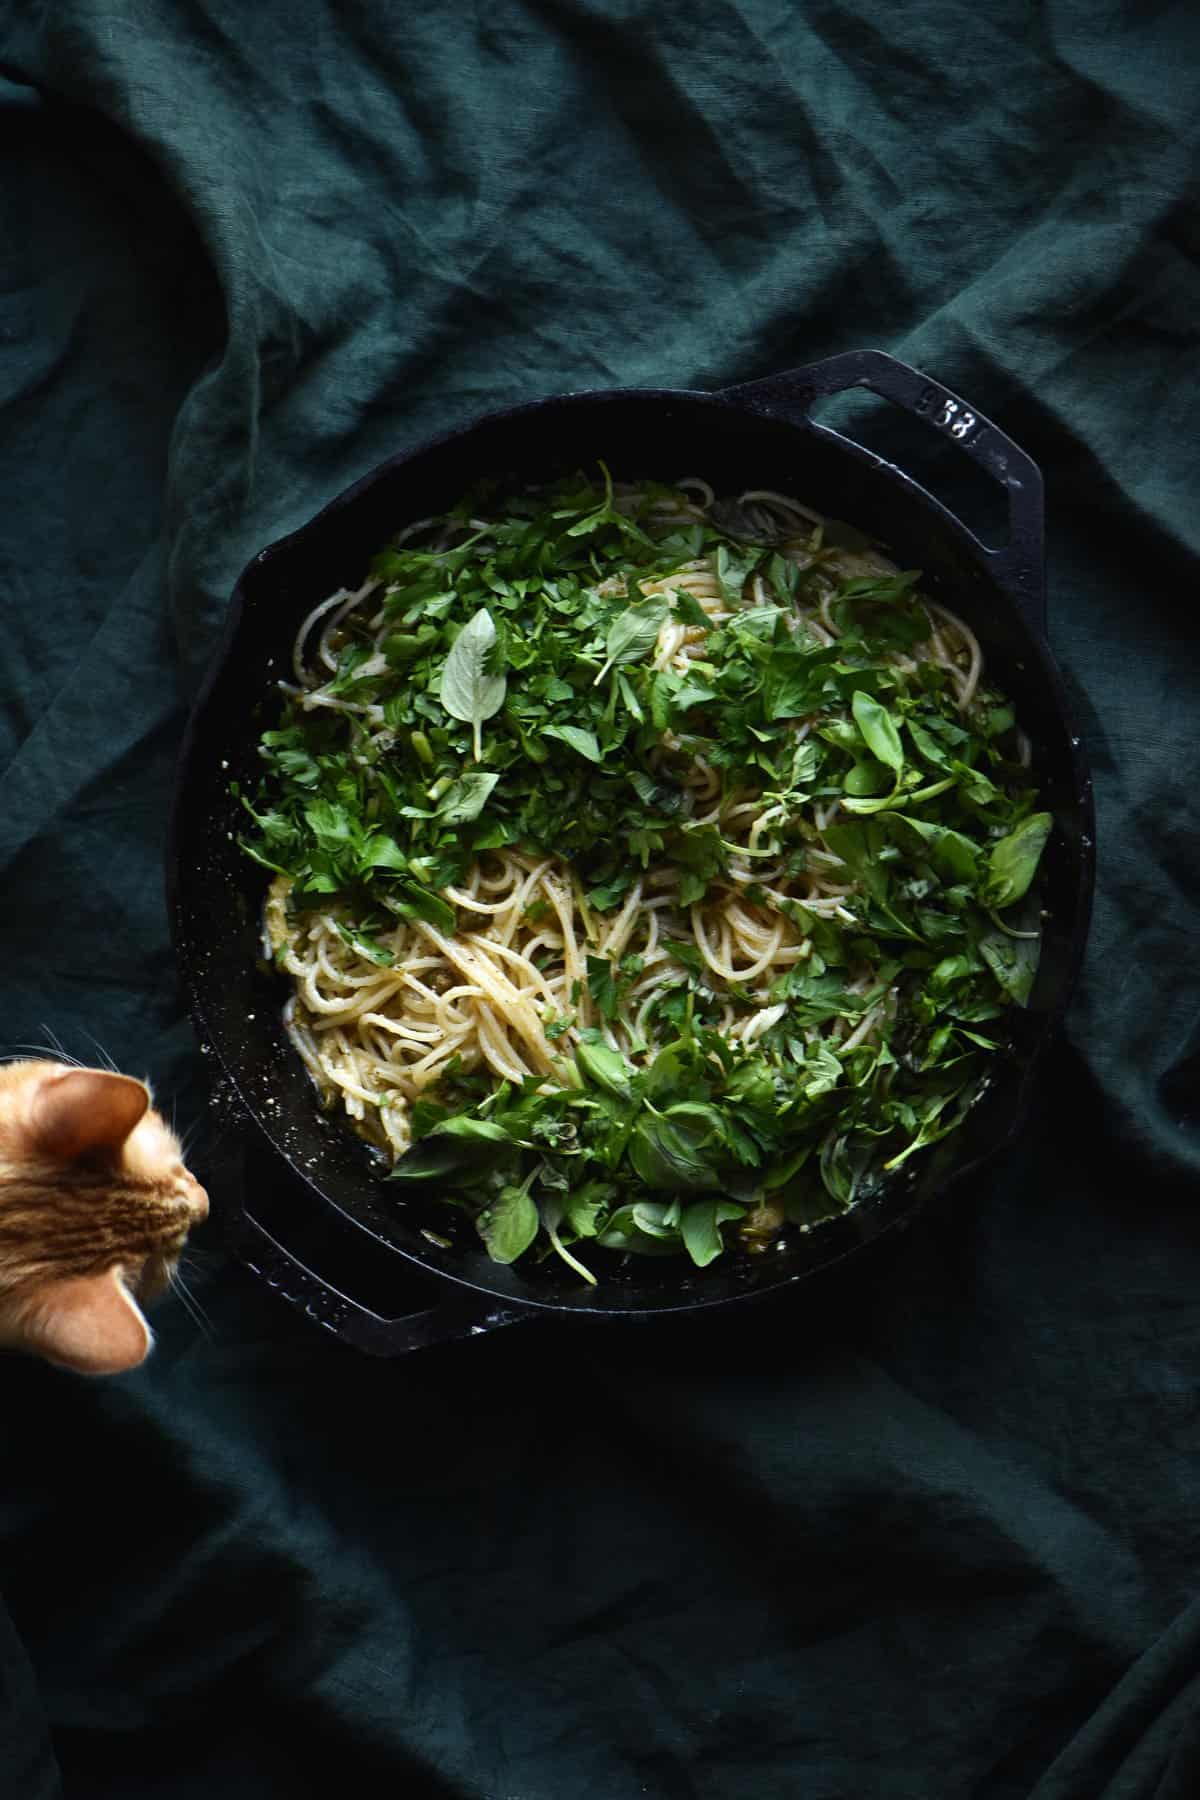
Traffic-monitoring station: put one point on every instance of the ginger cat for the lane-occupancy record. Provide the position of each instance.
(95, 1208)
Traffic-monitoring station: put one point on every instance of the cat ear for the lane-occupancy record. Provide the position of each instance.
(89, 1323)
(86, 1110)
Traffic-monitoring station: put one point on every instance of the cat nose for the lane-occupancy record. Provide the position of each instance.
(190, 1194)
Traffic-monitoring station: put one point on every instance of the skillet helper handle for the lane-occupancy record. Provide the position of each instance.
(1019, 566)
(459, 1315)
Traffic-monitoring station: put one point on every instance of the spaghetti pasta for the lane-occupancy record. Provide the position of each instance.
(790, 785)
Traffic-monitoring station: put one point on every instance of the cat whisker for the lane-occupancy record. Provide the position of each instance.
(41, 1053)
(54, 1048)
(105, 1059)
(56, 1044)
(189, 1309)
(199, 1260)
(185, 1300)
(190, 1303)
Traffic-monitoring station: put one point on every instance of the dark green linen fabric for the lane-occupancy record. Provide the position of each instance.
(928, 1530)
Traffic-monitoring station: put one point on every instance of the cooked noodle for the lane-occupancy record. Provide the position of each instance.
(506, 992)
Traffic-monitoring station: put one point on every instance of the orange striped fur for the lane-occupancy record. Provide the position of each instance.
(95, 1208)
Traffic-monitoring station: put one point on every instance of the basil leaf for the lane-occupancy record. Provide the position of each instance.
(468, 691)
(465, 798)
(838, 1168)
(605, 1067)
(865, 778)
(509, 1224)
(583, 1210)
(365, 945)
(927, 744)
(405, 647)
(1013, 862)
(584, 742)
(688, 610)
(859, 847)
(878, 728)
(679, 1149)
(409, 900)
(624, 1233)
(633, 634)
(458, 1146)
(950, 971)
(1013, 961)
(953, 856)
(784, 574)
(844, 734)
(652, 1217)
(700, 1228)
(882, 589)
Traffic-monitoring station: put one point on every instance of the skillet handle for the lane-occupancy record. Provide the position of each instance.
(1020, 565)
(459, 1315)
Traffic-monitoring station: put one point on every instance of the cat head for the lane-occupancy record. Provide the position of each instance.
(95, 1208)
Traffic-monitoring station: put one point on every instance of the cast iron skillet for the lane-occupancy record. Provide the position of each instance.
(758, 434)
